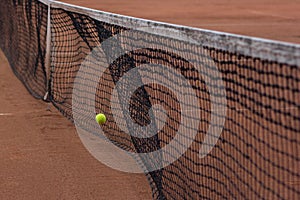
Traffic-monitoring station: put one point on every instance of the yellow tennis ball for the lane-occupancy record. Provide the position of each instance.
(100, 118)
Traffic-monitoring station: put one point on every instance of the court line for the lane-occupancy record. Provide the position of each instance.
(261, 13)
(6, 114)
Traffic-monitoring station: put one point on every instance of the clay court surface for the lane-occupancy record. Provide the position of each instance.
(41, 155)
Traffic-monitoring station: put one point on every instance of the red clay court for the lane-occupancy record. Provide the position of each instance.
(42, 156)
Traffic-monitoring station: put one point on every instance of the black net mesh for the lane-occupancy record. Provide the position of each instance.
(257, 154)
(23, 28)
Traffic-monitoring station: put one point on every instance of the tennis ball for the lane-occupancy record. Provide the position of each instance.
(100, 118)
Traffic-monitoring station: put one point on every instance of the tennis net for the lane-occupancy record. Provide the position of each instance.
(250, 85)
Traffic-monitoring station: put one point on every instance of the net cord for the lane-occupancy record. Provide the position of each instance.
(250, 46)
(282, 52)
